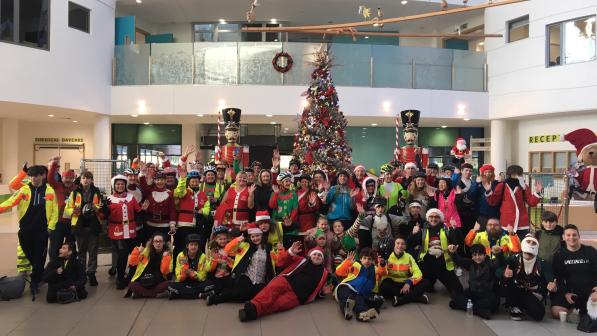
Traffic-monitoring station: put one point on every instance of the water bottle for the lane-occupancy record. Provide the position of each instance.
(469, 308)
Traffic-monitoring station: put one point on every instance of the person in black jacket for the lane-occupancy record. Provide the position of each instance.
(481, 280)
(259, 198)
(65, 271)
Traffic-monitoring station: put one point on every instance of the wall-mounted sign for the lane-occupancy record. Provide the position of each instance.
(57, 140)
(545, 138)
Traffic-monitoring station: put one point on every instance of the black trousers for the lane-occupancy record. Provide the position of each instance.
(34, 243)
(343, 293)
(525, 300)
(434, 269)
(390, 288)
(484, 303)
(61, 233)
(240, 290)
(189, 290)
(365, 239)
(122, 248)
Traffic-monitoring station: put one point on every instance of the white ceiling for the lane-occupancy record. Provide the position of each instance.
(291, 11)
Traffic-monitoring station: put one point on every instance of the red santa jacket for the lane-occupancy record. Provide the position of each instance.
(588, 179)
(513, 209)
(190, 202)
(62, 192)
(307, 213)
(121, 219)
(162, 210)
(292, 263)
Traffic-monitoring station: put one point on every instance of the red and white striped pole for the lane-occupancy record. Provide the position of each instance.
(218, 148)
(396, 151)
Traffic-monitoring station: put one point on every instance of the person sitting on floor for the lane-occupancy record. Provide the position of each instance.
(481, 279)
(301, 282)
(153, 265)
(191, 272)
(359, 281)
(65, 273)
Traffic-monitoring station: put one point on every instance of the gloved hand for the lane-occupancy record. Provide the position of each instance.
(25, 167)
(435, 251)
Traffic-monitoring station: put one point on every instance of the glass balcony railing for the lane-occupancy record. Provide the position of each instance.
(238, 63)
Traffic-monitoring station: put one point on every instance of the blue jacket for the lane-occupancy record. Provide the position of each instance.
(339, 204)
(364, 283)
(483, 207)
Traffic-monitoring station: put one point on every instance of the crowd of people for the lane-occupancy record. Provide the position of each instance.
(275, 239)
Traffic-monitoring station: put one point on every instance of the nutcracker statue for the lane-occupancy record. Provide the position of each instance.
(235, 156)
(411, 152)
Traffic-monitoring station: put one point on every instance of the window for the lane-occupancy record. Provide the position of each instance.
(78, 17)
(551, 162)
(231, 32)
(518, 29)
(571, 41)
(25, 22)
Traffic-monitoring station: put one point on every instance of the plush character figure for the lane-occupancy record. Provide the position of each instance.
(585, 178)
(412, 152)
(460, 152)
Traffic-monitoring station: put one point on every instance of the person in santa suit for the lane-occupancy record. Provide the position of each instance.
(235, 202)
(412, 152)
(161, 210)
(308, 205)
(460, 151)
(301, 282)
(514, 195)
(121, 209)
(132, 187)
(193, 210)
(585, 142)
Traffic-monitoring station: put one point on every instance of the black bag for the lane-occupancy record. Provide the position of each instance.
(12, 287)
(587, 324)
(148, 280)
(66, 295)
(188, 290)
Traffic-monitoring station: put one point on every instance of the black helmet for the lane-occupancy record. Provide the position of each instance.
(385, 247)
(220, 229)
(192, 238)
(379, 201)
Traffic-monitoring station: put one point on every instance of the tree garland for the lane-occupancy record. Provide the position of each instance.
(289, 62)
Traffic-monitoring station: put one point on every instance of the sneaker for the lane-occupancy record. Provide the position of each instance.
(424, 299)
(372, 313)
(206, 294)
(348, 307)
(210, 300)
(242, 315)
(92, 280)
(363, 317)
(395, 301)
(515, 314)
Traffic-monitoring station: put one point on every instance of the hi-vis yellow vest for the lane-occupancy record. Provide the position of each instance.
(443, 238)
(22, 198)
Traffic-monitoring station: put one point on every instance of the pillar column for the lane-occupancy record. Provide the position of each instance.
(102, 138)
(500, 145)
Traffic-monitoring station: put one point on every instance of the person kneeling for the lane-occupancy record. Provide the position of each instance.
(154, 264)
(301, 282)
(66, 277)
(353, 292)
(481, 280)
(191, 272)
(404, 281)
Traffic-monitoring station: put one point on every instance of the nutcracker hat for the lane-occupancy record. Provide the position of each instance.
(253, 229)
(231, 117)
(410, 120)
(316, 250)
(581, 139)
(262, 215)
(119, 178)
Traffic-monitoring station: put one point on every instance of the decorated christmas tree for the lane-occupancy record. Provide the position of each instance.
(320, 139)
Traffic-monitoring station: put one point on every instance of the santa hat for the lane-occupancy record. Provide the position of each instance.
(316, 250)
(460, 139)
(253, 229)
(581, 139)
(68, 173)
(435, 211)
(410, 164)
(486, 167)
(359, 167)
(262, 215)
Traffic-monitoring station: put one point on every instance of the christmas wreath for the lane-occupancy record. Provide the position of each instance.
(280, 68)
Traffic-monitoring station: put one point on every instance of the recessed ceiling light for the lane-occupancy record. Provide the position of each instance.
(146, 123)
(222, 21)
(200, 115)
(466, 119)
(51, 115)
(481, 43)
(404, 2)
(374, 124)
(221, 104)
(75, 121)
(139, 1)
(366, 37)
(363, 136)
(274, 21)
(269, 115)
(134, 115)
(364, 128)
(286, 128)
(275, 40)
(386, 106)
(272, 122)
(444, 126)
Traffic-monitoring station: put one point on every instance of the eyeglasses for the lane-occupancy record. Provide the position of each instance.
(433, 216)
(158, 241)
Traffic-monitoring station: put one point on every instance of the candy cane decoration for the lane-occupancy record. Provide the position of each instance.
(397, 150)
(217, 154)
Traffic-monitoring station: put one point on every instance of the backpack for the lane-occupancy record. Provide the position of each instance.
(12, 287)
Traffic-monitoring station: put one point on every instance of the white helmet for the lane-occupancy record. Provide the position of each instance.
(119, 178)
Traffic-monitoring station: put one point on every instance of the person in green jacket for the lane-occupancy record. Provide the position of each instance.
(393, 192)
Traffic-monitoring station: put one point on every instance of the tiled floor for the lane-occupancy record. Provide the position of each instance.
(105, 312)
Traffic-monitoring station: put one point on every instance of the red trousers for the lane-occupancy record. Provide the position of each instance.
(275, 297)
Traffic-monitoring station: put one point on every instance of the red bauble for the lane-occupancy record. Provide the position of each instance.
(309, 157)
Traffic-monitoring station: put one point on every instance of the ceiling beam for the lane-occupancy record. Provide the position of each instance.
(387, 21)
(386, 34)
